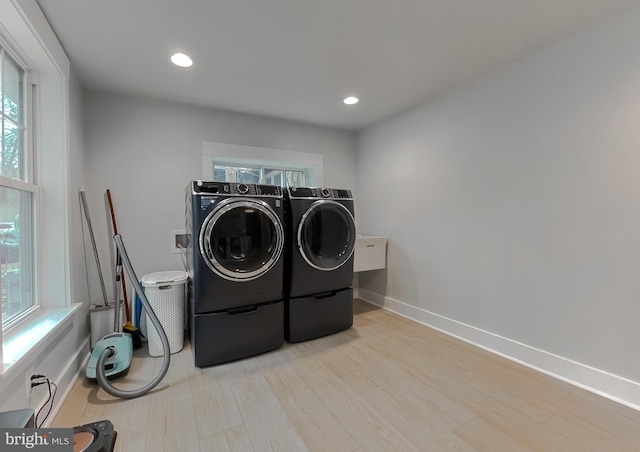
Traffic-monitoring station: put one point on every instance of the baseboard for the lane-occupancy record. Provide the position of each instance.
(619, 389)
(73, 368)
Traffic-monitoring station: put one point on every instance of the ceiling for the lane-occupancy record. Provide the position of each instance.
(297, 59)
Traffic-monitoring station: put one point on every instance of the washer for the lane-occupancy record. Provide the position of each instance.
(321, 237)
(235, 261)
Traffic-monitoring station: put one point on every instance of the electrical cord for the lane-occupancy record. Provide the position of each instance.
(183, 258)
(37, 380)
(183, 252)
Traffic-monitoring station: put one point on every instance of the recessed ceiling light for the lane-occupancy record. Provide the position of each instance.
(351, 100)
(182, 60)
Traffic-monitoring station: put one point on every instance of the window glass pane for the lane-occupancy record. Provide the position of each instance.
(11, 117)
(273, 176)
(16, 258)
(295, 178)
(219, 174)
(248, 175)
(236, 174)
(13, 77)
(11, 152)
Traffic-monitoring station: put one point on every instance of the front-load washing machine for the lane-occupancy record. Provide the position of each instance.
(321, 236)
(235, 262)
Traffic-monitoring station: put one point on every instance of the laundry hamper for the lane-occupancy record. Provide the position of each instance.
(166, 294)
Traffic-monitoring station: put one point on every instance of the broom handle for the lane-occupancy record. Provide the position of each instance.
(85, 207)
(119, 258)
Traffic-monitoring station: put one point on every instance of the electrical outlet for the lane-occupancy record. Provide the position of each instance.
(179, 241)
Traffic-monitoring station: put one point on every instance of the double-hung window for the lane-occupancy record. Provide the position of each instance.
(17, 190)
(35, 210)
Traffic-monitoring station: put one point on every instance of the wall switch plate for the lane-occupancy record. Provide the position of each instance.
(179, 241)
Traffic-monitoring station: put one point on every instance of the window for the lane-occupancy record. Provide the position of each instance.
(16, 192)
(236, 163)
(285, 177)
(35, 190)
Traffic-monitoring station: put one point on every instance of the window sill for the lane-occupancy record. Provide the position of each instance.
(28, 339)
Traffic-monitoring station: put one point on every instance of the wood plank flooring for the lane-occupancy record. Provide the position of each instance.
(387, 384)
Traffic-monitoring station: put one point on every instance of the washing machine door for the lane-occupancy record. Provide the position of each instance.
(326, 235)
(241, 239)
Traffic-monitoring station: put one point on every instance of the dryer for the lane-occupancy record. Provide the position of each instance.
(321, 236)
(235, 262)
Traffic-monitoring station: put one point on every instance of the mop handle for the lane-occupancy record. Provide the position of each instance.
(93, 244)
(119, 260)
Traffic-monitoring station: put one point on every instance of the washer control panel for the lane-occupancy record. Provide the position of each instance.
(320, 193)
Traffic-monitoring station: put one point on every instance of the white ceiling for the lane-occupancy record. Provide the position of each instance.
(297, 59)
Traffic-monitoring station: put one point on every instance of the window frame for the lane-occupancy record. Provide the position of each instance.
(28, 182)
(262, 169)
(25, 29)
(253, 156)
(27, 110)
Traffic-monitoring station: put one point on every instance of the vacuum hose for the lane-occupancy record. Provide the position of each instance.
(100, 375)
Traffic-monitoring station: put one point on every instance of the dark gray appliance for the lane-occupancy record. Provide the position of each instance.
(235, 262)
(321, 236)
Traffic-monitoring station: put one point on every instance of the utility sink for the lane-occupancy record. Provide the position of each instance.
(370, 253)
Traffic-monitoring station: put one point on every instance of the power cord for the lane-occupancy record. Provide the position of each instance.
(37, 380)
(183, 258)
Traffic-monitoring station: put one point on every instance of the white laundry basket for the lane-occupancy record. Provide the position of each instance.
(166, 294)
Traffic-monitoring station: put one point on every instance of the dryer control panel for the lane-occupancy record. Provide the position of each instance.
(319, 193)
(236, 188)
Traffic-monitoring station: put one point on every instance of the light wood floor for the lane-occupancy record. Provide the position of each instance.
(385, 384)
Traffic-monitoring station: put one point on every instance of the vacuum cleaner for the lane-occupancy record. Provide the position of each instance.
(118, 362)
(111, 355)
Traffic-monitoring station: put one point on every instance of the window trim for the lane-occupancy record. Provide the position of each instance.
(235, 154)
(29, 81)
(27, 183)
(25, 29)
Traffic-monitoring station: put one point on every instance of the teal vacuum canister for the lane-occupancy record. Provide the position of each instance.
(119, 362)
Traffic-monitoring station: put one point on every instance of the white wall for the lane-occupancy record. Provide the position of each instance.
(146, 151)
(512, 206)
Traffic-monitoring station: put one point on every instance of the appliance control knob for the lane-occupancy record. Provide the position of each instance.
(325, 192)
(243, 189)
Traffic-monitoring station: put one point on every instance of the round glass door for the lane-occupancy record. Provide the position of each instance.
(326, 235)
(241, 239)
